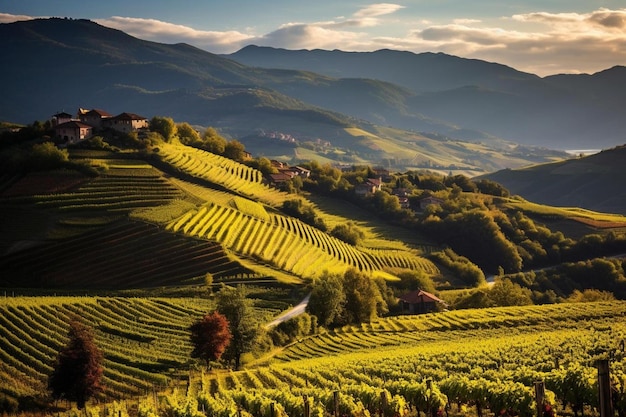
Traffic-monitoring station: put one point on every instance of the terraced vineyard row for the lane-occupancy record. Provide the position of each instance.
(143, 255)
(402, 330)
(120, 189)
(287, 243)
(489, 365)
(144, 341)
(222, 171)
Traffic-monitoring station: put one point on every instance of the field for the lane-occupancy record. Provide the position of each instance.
(481, 359)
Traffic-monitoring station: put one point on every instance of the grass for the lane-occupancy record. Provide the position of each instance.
(589, 217)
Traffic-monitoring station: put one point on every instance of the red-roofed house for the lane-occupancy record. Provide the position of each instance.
(73, 131)
(94, 117)
(61, 118)
(419, 302)
(370, 186)
(126, 122)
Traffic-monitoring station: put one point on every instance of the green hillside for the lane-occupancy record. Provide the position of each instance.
(137, 237)
(588, 182)
(467, 362)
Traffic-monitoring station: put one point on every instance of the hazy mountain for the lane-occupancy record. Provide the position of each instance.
(592, 182)
(53, 65)
(564, 111)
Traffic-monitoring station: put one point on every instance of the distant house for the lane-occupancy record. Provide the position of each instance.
(430, 200)
(370, 186)
(73, 131)
(94, 118)
(278, 164)
(126, 122)
(403, 197)
(420, 302)
(61, 118)
(280, 178)
(303, 172)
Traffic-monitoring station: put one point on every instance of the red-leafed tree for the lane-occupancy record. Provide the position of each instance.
(78, 368)
(210, 336)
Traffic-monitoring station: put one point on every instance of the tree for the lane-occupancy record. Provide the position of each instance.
(233, 303)
(363, 298)
(327, 299)
(213, 142)
(210, 336)
(504, 292)
(235, 150)
(163, 125)
(348, 232)
(187, 134)
(78, 368)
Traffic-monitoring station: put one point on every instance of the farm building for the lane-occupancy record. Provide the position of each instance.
(419, 302)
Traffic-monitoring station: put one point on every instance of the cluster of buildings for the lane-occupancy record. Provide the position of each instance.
(74, 129)
(286, 172)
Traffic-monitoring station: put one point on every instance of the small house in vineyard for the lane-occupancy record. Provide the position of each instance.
(420, 302)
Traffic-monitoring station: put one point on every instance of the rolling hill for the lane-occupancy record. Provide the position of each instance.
(591, 182)
(96, 67)
(561, 111)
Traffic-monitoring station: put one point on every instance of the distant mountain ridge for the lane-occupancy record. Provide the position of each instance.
(61, 64)
(560, 111)
(592, 182)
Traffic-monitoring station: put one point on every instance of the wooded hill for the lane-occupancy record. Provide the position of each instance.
(349, 120)
(143, 218)
(88, 212)
(590, 182)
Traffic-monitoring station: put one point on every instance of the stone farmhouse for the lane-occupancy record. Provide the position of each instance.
(74, 129)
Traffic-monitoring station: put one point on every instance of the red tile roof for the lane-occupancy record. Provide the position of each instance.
(419, 296)
(72, 125)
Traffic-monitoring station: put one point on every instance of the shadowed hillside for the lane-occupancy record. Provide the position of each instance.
(593, 182)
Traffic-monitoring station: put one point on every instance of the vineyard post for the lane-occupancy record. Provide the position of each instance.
(540, 395)
(307, 407)
(336, 403)
(604, 388)
(383, 403)
(272, 410)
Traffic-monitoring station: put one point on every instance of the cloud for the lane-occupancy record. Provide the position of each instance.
(156, 30)
(10, 18)
(544, 43)
(378, 9)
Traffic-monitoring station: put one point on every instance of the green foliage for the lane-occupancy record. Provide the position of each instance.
(348, 232)
(460, 266)
(262, 164)
(165, 126)
(235, 150)
(78, 368)
(328, 299)
(47, 156)
(413, 280)
(364, 301)
(294, 329)
(187, 135)
(490, 187)
(232, 302)
(213, 141)
(590, 296)
(476, 235)
(506, 293)
(299, 209)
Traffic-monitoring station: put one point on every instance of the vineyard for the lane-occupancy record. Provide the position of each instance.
(476, 363)
(224, 172)
(144, 257)
(288, 243)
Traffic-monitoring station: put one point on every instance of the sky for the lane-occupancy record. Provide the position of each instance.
(540, 37)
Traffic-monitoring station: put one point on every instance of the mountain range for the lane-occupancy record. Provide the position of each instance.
(397, 108)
